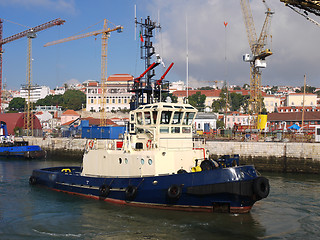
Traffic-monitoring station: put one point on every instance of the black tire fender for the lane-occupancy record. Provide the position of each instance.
(131, 192)
(174, 192)
(104, 190)
(261, 187)
(33, 180)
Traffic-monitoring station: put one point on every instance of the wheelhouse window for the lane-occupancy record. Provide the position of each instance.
(139, 118)
(165, 117)
(188, 117)
(147, 118)
(177, 117)
(164, 129)
(154, 116)
(175, 130)
(186, 130)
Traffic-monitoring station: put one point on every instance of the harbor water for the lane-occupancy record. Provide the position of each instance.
(292, 211)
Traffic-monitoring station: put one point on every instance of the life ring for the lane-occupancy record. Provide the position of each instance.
(32, 180)
(104, 190)
(66, 170)
(149, 143)
(131, 192)
(174, 192)
(91, 143)
(261, 187)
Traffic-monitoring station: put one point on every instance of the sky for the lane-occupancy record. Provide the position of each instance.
(214, 51)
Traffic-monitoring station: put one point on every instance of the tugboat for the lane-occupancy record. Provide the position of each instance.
(158, 164)
(11, 147)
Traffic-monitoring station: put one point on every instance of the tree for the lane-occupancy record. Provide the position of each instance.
(73, 99)
(17, 104)
(197, 100)
(165, 95)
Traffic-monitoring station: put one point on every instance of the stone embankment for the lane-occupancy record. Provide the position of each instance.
(266, 156)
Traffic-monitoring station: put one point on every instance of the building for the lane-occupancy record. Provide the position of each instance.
(271, 102)
(15, 121)
(45, 119)
(118, 97)
(206, 122)
(296, 99)
(37, 92)
(237, 119)
(176, 86)
(281, 121)
(68, 116)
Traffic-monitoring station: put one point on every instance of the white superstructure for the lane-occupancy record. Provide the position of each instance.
(159, 141)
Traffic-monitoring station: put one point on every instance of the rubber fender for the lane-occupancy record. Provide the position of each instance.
(174, 192)
(261, 187)
(33, 180)
(131, 192)
(104, 190)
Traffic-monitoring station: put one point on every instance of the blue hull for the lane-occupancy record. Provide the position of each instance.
(32, 151)
(232, 190)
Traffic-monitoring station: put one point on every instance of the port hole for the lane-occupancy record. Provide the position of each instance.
(221, 207)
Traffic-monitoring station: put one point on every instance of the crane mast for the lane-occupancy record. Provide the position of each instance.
(105, 33)
(257, 59)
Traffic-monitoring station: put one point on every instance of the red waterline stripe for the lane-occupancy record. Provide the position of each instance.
(160, 206)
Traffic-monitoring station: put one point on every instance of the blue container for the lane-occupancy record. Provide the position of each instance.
(108, 132)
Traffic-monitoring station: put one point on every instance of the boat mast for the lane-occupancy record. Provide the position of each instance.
(144, 87)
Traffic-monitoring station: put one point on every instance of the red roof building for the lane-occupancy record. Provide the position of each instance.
(14, 120)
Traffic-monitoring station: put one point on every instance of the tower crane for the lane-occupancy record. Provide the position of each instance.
(304, 6)
(30, 33)
(259, 52)
(104, 44)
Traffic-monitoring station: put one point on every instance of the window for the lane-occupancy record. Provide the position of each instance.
(147, 118)
(164, 129)
(177, 117)
(154, 116)
(186, 130)
(139, 118)
(119, 100)
(188, 117)
(165, 117)
(175, 130)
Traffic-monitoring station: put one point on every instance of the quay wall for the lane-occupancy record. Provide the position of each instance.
(266, 156)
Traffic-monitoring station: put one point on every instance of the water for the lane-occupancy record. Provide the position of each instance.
(292, 211)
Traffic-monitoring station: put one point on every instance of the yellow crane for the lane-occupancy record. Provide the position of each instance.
(104, 47)
(30, 34)
(259, 52)
(302, 7)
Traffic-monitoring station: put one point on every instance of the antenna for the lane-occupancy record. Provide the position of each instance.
(135, 22)
(187, 60)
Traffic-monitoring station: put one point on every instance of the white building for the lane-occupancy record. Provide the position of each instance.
(117, 98)
(177, 86)
(205, 122)
(36, 92)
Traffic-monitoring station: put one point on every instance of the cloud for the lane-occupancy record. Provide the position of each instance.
(55, 5)
(216, 52)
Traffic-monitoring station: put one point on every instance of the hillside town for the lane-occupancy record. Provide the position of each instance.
(223, 111)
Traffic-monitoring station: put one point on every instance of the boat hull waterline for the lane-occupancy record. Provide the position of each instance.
(233, 190)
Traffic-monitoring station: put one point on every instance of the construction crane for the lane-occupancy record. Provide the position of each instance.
(259, 53)
(104, 44)
(30, 33)
(303, 7)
